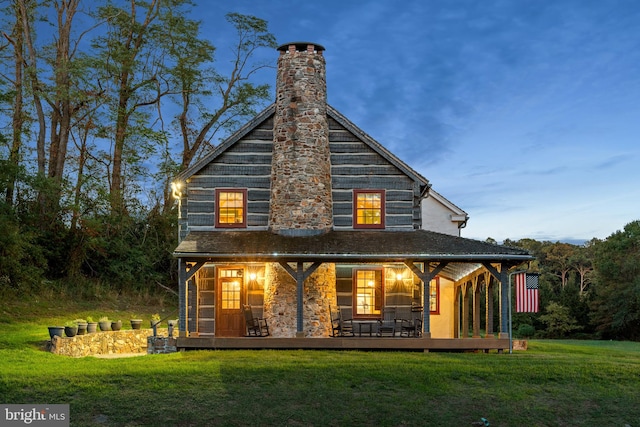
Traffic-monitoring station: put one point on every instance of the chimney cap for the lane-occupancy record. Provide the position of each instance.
(300, 46)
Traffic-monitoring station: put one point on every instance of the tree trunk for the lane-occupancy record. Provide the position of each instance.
(18, 114)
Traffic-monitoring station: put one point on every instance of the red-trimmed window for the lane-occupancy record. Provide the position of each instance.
(434, 296)
(368, 292)
(231, 208)
(368, 208)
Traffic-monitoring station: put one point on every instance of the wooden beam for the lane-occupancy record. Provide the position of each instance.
(426, 276)
(193, 270)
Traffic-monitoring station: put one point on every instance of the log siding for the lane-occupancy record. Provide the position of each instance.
(246, 164)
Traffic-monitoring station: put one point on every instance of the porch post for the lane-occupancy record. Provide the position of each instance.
(504, 303)
(426, 276)
(476, 308)
(300, 301)
(457, 292)
(182, 298)
(503, 278)
(489, 306)
(465, 310)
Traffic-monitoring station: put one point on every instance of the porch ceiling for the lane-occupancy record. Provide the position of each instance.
(347, 246)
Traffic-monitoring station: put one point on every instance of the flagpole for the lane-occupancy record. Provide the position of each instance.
(510, 311)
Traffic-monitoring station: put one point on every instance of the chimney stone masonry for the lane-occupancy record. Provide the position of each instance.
(301, 203)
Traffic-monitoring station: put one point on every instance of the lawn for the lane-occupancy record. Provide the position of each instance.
(554, 383)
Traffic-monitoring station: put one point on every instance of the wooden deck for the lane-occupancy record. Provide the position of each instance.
(344, 343)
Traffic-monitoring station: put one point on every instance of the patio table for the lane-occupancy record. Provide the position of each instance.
(365, 326)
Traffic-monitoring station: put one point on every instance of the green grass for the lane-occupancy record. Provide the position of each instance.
(554, 383)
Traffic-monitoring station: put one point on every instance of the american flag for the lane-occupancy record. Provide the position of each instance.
(527, 293)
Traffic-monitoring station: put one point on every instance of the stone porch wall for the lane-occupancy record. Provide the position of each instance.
(109, 342)
(280, 301)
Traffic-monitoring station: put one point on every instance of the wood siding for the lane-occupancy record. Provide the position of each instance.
(355, 165)
(246, 164)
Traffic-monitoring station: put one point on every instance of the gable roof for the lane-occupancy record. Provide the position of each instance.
(332, 113)
(228, 142)
(447, 203)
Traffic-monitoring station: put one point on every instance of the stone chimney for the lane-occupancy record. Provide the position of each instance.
(301, 203)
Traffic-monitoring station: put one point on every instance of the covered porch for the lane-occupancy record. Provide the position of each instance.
(477, 271)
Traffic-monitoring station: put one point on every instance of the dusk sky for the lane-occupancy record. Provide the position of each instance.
(523, 113)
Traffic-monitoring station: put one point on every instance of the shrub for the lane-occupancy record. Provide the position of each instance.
(525, 331)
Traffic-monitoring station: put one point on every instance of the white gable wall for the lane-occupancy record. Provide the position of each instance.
(442, 216)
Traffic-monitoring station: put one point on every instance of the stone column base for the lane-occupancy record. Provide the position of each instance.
(161, 345)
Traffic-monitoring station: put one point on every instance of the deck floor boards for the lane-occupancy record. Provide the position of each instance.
(344, 343)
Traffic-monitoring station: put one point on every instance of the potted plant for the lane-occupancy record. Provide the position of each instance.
(70, 329)
(104, 323)
(136, 323)
(155, 320)
(55, 331)
(116, 325)
(82, 326)
(91, 325)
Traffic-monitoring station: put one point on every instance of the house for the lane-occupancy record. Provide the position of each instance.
(300, 211)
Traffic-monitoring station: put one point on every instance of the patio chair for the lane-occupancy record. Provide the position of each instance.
(387, 325)
(411, 322)
(342, 322)
(256, 326)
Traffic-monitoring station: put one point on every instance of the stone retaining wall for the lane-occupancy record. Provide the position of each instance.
(109, 342)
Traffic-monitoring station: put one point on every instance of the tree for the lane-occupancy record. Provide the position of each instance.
(558, 320)
(558, 257)
(131, 64)
(84, 130)
(616, 303)
(16, 40)
(235, 93)
(582, 260)
(232, 96)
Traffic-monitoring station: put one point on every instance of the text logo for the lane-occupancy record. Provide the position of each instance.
(34, 415)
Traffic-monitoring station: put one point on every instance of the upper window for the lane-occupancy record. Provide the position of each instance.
(368, 209)
(231, 208)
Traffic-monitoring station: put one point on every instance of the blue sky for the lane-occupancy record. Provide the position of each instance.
(524, 113)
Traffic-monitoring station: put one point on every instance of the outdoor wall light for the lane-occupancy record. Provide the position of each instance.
(176, 190)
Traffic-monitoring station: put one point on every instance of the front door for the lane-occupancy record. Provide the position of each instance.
(229, 315)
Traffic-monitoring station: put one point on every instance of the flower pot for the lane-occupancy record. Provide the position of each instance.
(55, 331)
(105, 326)
(92, 327)
(136, 323)
(70, 331)
(116, 326)
(155, 323)
(82, 328)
